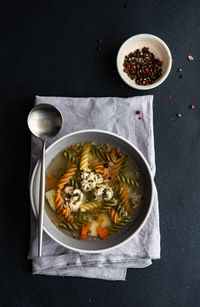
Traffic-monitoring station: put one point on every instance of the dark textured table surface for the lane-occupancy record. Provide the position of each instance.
(49, 48)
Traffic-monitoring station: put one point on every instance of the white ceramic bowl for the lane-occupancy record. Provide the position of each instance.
(156, 46)
(128, 232)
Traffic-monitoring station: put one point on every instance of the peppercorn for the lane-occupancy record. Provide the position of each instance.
(106, 165)
(190, 57)
(179, 115)
(180, 76)
(139, 117)
(179, 69)
(138, 112)
(126, 5)
(99, 41)
(142, 66)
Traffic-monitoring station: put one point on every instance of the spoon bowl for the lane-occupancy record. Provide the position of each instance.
(44, 121)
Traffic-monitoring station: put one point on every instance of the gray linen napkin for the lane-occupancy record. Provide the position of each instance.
(117, 115)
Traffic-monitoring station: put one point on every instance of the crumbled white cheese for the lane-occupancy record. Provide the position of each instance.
(90, 180)
(74, 198)
(69, 190)
(103, 191)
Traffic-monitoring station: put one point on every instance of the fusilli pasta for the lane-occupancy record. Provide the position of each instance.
(88, 206)
(66, 177)
(124, 198)
(127, 180)
(100, 154)
(84, 157)
(117, 166)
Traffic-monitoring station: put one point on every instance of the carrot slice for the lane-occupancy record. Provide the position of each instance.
(53, 221)
(102, 232)
(107, 149)
(84, 231)
(113, 151)
(50, 182)
(74, 147)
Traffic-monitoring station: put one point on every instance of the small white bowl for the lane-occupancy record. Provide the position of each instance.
(156, 46)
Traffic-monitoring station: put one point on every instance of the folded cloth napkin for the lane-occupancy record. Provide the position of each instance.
(117, 115)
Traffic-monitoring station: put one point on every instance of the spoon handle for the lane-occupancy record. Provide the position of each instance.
(41, 204)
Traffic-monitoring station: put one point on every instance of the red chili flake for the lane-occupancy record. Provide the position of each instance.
(160, 62)
(192, 106)
(147, 69)
(190, 57)
(147, 48)
(128, 66)
(131, 68)
(138, 112)
(170, 97)
(139, 117)
(131, 53)
(151, 69)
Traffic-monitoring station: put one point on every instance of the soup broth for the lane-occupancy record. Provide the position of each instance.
(93, 190)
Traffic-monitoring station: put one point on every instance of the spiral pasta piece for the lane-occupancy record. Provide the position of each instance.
(119, 225)
(127, 180)
(124, 165)
(88, 206)
(73, 183)
(114, 215)
(121, 210)
(117, 166)
(68, 225)
(107, 205)
(103, 155)
(124, 198)
(66, 177)
(62, 212)
(81, 220)
(58, 201)
(70, 156)
(85, 157)
(102, 170)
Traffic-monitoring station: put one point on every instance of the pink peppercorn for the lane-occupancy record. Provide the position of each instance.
(192, 106)
(139, 117)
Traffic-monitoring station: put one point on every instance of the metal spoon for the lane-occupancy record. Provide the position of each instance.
(44, 121)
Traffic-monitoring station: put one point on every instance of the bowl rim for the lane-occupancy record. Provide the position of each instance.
(31, 186)
(162, 79)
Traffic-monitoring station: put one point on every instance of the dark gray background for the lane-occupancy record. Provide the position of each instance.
(49, 48)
